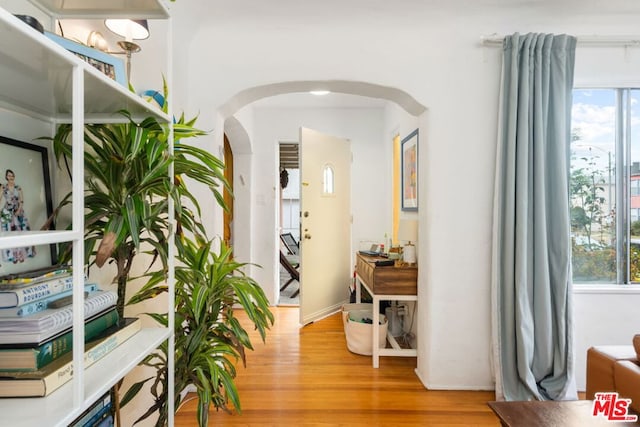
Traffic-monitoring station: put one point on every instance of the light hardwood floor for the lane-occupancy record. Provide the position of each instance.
(306, 376)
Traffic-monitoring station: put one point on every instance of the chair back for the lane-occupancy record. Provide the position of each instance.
(290, 243)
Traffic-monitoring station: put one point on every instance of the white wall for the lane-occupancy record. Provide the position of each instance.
(435, 56)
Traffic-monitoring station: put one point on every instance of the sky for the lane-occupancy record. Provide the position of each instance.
(593, 120)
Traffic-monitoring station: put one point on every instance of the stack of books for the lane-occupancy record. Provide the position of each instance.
(97, 415)
(36, 335)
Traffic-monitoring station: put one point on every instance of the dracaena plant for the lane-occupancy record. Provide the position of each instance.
(209, 339)
(127, 188)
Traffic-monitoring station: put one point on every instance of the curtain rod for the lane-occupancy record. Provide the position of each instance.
(596, 41)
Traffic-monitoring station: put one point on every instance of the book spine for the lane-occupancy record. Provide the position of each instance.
(94, 413)
(34, 307)
(107, 422)
(60, 346)
(38, 306)
(100, 301)
(21, 330)
(91, 356)
(98, 418)
(93, 304)
(12, 281)
(98, 351)
(36, 292)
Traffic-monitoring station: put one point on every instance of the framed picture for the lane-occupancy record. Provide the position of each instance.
(25, 203)
(108, 65)
(409, 181)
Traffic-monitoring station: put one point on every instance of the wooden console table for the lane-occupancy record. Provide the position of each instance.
(388, 283)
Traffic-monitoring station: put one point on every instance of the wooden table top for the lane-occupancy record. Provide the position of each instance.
(574, 413)
(387, 280)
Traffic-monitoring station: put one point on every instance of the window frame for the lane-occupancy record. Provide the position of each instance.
(622, 204)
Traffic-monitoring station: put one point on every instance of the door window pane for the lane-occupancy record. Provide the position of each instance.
(328, 186)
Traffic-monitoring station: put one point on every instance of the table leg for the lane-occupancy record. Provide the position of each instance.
(376, 328)
(358, 290)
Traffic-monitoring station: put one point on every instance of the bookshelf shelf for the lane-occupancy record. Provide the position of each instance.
(150, 9)
(59, 407)
(41, 81)
(27, 238)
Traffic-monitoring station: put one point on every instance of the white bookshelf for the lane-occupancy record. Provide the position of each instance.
(41, 80)
(57, 406)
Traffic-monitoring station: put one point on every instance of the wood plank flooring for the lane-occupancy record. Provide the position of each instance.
(306, 376)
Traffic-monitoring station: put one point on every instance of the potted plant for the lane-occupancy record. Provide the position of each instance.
(127, 188)
(208, 336)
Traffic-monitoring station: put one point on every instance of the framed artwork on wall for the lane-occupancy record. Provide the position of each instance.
(409, 180)
(108, 65)
(25, 203)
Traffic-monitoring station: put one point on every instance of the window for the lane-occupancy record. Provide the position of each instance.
(635, 188)
(605, 186)
(327, 181)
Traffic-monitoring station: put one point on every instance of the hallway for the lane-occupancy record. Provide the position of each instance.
(306, 376)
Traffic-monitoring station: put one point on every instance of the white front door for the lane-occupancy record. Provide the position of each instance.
(325, 224)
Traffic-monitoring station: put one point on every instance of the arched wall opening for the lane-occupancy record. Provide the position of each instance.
(255, 225)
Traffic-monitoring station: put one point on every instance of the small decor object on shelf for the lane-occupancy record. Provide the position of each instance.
(154, 96)
(108, 65)
(408, 232)
(32, 22)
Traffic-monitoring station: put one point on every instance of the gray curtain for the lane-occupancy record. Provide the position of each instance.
(532, 332)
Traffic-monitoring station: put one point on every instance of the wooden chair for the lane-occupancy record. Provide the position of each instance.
(295, 274)
(290, 243)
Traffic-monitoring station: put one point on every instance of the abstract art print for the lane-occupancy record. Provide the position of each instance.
(410, 172)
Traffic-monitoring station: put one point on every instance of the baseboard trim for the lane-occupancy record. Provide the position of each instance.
(430, 386)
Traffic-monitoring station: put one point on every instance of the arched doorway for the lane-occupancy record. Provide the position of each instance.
(256, 237)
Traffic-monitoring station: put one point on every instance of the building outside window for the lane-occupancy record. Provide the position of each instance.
(605, 186)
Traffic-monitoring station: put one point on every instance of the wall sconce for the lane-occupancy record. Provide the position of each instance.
(131, 30)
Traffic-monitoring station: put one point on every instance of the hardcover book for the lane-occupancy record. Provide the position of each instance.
(16, 280)
(41, 305)
(35, 292)
(107, 422)
(33, 358)
(41, 326)
(44, 381)
(95, 413)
